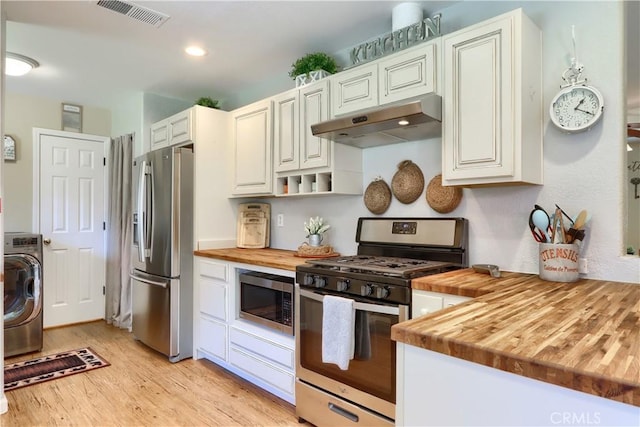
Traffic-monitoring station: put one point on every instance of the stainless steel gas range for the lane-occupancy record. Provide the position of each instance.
(391, 252)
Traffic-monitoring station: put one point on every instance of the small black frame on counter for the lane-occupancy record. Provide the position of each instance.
(71, 117)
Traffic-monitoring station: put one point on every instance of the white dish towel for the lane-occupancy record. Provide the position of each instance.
(338, 324)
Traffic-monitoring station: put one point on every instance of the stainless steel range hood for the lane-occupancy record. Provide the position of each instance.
(383, 126)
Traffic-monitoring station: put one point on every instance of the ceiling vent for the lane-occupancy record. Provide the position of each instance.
(134, 11)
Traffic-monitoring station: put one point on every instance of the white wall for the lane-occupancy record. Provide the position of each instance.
(582, 171)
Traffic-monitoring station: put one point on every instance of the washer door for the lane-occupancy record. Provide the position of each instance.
(22, 289)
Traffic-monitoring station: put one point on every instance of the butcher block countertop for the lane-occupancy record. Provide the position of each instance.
(267, 257)
(583, 335)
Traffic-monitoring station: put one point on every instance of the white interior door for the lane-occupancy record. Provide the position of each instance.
(70, 177)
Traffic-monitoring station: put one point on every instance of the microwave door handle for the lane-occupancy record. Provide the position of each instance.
(362, 306)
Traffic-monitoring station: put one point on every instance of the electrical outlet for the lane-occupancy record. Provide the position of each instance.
(583, 266)
(280, 220)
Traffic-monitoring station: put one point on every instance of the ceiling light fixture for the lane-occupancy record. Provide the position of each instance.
(195, 51)
(18, 65)
(403, 122)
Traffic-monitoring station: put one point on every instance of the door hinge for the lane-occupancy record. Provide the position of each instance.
(104, 290)
(104, 225)
(104, 161)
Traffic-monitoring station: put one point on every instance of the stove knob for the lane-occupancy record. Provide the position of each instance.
(366, 290)
(343, 285)
(319, 282)
(382, 293)
(307, 280)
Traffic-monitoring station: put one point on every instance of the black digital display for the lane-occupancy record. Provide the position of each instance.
(404, 227)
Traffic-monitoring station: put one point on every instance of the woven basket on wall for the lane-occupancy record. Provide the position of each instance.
(442, 199)
(377, 196)
(408, 182)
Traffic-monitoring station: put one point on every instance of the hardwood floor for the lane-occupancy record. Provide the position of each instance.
(140, 388)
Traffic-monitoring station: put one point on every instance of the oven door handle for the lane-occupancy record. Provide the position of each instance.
(374, 308)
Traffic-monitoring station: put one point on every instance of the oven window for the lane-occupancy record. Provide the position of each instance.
(373, 368)
(266, 303)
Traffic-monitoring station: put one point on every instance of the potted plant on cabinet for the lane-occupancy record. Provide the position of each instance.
(206, 101)
(312, 67)
(315, 229)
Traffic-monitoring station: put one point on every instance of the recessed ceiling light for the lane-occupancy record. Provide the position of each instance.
(18, 65)
(403, 122)
(195, 51)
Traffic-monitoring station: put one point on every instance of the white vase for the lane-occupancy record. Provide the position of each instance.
(315, 239)
(313, 76)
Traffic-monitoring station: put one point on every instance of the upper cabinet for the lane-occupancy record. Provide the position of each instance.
(252, 149)
(174, 130)
(295, 147)
(408, 74)
(492, 103)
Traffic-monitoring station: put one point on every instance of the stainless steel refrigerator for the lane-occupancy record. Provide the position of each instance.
(162, 255)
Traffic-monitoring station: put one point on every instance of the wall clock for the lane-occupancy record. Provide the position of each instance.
(9, 148)
(576, 108)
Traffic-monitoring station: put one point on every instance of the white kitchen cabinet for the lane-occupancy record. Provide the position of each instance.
(252, 149)
(354, 89)
(295, 147)
(306, 164)
(261, 355)
(492, 99)
(408, 74)
(174, 130)
(425, 302)
(211, 308)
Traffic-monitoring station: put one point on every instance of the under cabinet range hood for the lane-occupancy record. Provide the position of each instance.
(420, 119)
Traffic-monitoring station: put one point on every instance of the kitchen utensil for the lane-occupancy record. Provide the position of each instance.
(491, 269)
(540, 220)
(581, 220)
(565, 214)
(557, 229)
(575, 235)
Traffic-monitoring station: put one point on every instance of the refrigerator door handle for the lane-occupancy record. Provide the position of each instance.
(140, 209)
(147, 281)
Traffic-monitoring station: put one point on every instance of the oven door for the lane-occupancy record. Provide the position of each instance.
(370, 380)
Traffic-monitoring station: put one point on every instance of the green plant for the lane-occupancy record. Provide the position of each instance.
(206, 101)
(316, 226)
(311, 62)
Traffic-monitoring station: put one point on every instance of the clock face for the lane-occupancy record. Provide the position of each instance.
(576, 108)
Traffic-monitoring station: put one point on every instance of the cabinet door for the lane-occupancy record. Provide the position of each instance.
(159, 134)
(286, 131)
(478, 129)
(253, 171)
(314, 108)
(408, 75)
(354, 90)
(180, 127)
(423, 302)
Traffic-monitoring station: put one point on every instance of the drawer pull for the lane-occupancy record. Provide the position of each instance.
(340, 411)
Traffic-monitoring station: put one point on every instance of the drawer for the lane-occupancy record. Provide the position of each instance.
(266, 372)
(263, 348)
(213, 299)
(213, 338)
(215, 270)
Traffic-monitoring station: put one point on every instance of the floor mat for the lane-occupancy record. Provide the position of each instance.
(53, 366)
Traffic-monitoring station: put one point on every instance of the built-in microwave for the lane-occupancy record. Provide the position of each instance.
(267, 299)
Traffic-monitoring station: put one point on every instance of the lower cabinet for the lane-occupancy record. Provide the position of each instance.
(425, 302)
(260, 355)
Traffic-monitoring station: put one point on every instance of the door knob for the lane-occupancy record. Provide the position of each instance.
(47, 241)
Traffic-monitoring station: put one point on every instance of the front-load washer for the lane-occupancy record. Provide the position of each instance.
(22, 293)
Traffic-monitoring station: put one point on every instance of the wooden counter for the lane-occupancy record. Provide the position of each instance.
(583, 335)
(274, 258)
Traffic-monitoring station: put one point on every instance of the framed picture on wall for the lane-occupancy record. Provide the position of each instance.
(71, 117)
(9, 148)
